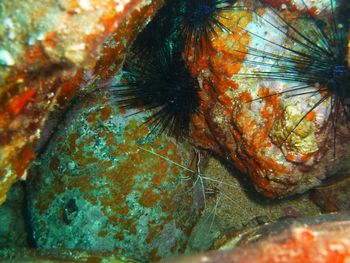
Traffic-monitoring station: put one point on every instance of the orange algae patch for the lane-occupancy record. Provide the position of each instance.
(306, 157)
(102, 233)
(291, 6)
(26, 155)
(36, 54)
(120, 236)
(105, 113)
(231, 48)
(81, 183)
(92, 117)
(271, 108)
(114, 50)
(257, 138)
(304, 245)
(310, 116)
(50, 40)
(148, 198)
(140, 128)
(263, 183)
(196, 66)
(154, 254)
(222, 62)
(157, 179)
(18, 103)
(245, 96)
(69, 89)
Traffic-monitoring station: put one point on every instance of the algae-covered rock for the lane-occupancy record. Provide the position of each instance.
(59, 255)
(106, 183)
(13, 227)
(49, 52)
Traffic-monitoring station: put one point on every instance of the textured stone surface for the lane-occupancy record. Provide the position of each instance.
(334, 197)
(56, 256)
(271, 139)
(320, 239)
(105, 183)
(13, 227)
(45, 62)
(233, 205)
(49, 50)
(253, 234)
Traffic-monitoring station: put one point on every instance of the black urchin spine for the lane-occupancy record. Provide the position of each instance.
(163, 86)
(316, 63)
(199, 21)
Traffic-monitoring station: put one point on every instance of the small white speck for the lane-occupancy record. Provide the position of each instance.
(6, 58)
(30, 41)
(336, 247)
(119, 8)
(24, 176)
(38, 37)
(121, 4)
(71, 166)
(205, 259)
(7, 176)
(38, 133)
(76, 47)
(85, 4)
(10, 27)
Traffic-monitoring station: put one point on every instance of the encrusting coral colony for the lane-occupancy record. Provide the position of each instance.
(110, 109)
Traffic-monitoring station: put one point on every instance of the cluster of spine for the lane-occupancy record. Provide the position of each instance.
(156, 76)
(313, 58)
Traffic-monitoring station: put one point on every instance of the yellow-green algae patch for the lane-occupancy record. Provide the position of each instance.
(295, 131)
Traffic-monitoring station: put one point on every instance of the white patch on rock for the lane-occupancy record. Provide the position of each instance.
(6, 58)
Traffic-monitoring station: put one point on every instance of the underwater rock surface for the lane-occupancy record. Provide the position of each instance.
(49, 51)
(233, 205)
(105, 183)
(324, 238)
(334, 197)
(13, 227)
(52, 61)
(284, 144)
(57, 256)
